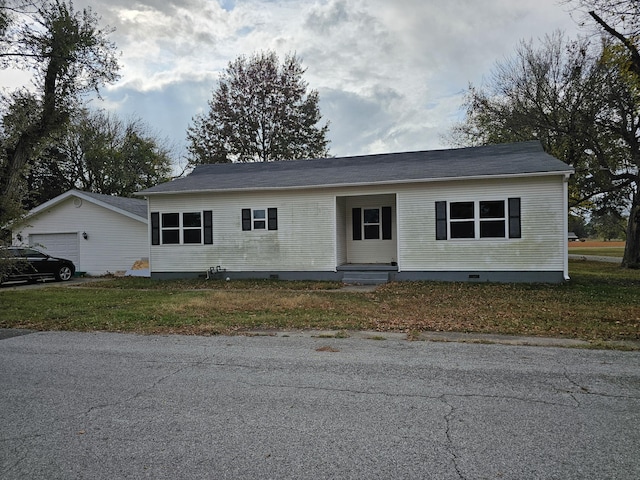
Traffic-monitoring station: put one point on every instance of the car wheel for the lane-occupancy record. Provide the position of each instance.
(64, 274)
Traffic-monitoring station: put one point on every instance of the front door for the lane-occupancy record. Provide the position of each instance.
(371, 229)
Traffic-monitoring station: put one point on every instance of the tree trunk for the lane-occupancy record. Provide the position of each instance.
(631, 257)
(17, 161)
(11, 184)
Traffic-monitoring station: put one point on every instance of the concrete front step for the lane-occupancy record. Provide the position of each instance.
(365, 277)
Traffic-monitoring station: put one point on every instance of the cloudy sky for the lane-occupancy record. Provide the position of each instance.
(390, 73)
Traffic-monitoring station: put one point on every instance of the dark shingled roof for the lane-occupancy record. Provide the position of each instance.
(134, 206)
(486, 161)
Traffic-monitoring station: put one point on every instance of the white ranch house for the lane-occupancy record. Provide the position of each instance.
(493, 213)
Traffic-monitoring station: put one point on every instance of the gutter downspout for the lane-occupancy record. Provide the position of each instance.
(565, 223)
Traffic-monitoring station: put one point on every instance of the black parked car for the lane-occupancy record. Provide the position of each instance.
(26, 263)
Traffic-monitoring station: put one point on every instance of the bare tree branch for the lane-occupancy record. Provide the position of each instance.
(629, 45)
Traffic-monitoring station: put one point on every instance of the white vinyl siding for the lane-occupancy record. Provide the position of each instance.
(315, 229)
(541, 247)
(304, 240)
(114, 241)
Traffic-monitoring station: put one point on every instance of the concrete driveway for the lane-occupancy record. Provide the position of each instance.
(25, 285)
(107, 406)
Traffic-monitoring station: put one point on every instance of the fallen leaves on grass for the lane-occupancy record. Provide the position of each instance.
(601, 302)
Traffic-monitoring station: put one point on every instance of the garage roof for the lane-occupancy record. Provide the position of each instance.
(131, 207)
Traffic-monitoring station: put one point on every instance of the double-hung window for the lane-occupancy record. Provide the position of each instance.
(462, 220)
(191, 227)
(492, 219)
(478, 219)
(259, 219)
(186, 228)
(371, 223)
(170, 228)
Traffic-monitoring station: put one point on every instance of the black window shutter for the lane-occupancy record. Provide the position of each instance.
(386, 223)
(356, 215)
(441, 220)
(155, 228)
(208, 227)
(246, 219)
(514, 218)
(272, 217)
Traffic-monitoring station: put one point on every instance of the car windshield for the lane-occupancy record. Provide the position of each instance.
(31, 252)
(22, 252)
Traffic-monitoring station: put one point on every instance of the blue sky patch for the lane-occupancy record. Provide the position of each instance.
(228, 5)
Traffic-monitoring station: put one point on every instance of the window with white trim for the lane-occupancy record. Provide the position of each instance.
(462, 220)
(191, 227)
(371, 223)
(170, 228)
(492, 219)
(259, 219)
(478, 219)
(186, 228)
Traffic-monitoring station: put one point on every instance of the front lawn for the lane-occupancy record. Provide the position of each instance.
(601, 302)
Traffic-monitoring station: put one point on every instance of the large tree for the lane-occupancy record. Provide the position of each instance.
(543, 92)
(101, 153)
(576, 102)
(620, 20)
(261, 111)
(69, 56)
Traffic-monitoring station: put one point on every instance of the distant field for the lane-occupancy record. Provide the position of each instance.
(603, 249)
(596, 244)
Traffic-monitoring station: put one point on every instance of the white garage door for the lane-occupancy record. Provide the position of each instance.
(63, 245)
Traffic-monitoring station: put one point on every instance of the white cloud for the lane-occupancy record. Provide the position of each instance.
(390, 73)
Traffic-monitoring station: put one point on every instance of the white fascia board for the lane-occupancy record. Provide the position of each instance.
(51, 203)
(76, 193)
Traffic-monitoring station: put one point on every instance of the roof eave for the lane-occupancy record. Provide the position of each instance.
(563, 173)
(76, 193)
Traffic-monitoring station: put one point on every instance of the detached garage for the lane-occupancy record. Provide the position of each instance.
(101, 234)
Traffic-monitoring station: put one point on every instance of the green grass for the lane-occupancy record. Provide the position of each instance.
(600, 303)
(141, 283)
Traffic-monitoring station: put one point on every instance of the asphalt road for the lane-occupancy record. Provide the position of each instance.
(110, 406)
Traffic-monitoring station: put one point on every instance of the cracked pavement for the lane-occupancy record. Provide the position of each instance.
(106, 406)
